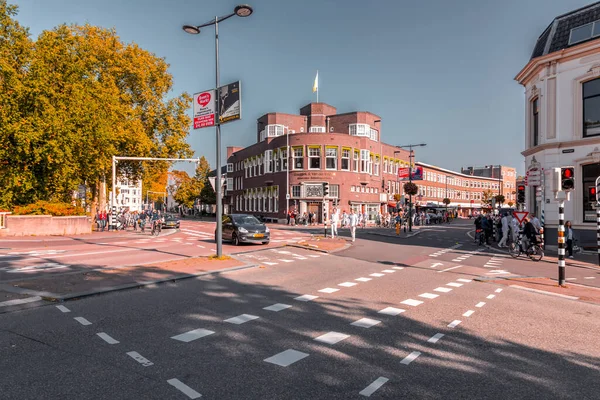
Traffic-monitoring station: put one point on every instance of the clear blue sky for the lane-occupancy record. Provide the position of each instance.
(436, 71)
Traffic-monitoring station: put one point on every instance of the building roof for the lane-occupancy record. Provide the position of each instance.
(422, 164)
(556, 36)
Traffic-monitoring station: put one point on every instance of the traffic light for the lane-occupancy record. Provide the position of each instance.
(593, 193)
(325, 189)
(567, 178)
(521, 194)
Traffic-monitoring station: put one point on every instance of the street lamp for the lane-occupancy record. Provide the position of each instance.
(242, 10)
(410, 157)
(448, 177)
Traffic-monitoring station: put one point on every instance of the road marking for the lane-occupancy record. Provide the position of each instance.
(314, 255)
(498, 272)
(277, 307)
(498, 290)
(306, 297)
(442, 289)
(328, 290)
(480, 304)
(240, 319)
(435, 265)
(388, 271)
(391, 311)
(410, 358)
(429, 295)
(411, 302)
(286, 261)
(571, 279)
(82, 321)
(454, 323)
(468, 313)
(363, 279)
(63, 309)
(347, 284)
(454, 284)
(332, 337)
(372, 388)
(377, 275)
(299, 257)
(108, 339)
(365, 322)
(283, 252)
(202, 247)
(192, 335)
(270, 263)
(449, 269)
(398, 268)
(286, 358)
(185, 389)
(139, 358)
(491, 296)
(435, 338)
(589, 277)
(464, 280)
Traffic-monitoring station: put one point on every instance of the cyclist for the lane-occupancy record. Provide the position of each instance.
(529, 233)
(156, 218)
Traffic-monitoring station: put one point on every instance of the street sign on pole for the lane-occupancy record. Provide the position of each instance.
(230, 102)
(520, 215)
(204, 109)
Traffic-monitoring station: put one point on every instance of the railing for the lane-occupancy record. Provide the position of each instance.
(3, 215)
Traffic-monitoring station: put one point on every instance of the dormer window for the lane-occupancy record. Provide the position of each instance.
(584, 32)
(359, 130)
(317, 129)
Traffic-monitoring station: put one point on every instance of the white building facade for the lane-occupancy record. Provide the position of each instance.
(129, 195)
(562, 108)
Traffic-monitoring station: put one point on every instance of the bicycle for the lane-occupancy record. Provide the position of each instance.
(534, 250)
(156, 228)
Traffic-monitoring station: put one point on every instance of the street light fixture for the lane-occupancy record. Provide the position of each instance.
(242, 10)
(410, 157)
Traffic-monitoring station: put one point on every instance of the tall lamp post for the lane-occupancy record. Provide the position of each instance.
(410, 157)
(242, 10)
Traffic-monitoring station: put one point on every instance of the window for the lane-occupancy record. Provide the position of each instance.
(385, 165)
(296, 191)
(314, 158)
(229, 167)
(364, 160)
(331, 157)
(584, 32)
(229, 184)
(345, 159)
(374, 134)
(591, 108)
(535, 121)
(298, 157)
(284, 159)
(352, 189)
(355, 161)
(317, 129)
(334, 191)
(359, 130)
(268, 161)
(589, 174)
(274, 130)
(376, 167)
(276, 160)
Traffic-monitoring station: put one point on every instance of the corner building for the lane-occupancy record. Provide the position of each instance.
(295, 154)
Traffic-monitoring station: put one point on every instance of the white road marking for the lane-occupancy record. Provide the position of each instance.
(391, 311)
(571, 279)
(192, 335)
(498, 272)
(202, 247)
(468, 313)
(480, 304)
(185, 389)
(270, 263)
(449, 269)
(283, 252)
(306, 297)
(286, 358)
(286, 261)
(388, 271)
(454, 323)
(429, 295)
(411, 302)
(454, 284)
(435, 265)
(314, 255)
(491, 296)
(82, 321)
(589, 277)
(347, 284)
(299, 257)
(363, 279)
(410, 358)
(377, 275)
(108, 339)
(240, 319)
(435, 338)
(332, 337)
(365, 322)
(398, 268)
(139, 358)
(328, 290)
(19, 301)
(63, 309)
(498, 290)
(464, 280)
(372, 388)
(277, 307)
(442, 289)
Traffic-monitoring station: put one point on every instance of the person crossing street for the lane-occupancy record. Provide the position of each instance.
(335, 219)
(353, 223)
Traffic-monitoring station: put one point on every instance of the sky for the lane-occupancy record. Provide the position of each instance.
(437, 72)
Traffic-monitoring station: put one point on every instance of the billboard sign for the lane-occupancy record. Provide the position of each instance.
(230, 102)
(417, 174)
(204, 109)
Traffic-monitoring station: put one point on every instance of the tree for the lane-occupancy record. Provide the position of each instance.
(207, 193)
(486, 197)
(510, 203)
(446, 201)
(181, 188)
(411, 188)
(500, 199)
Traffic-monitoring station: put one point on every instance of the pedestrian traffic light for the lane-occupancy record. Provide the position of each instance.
(325, 189)
(593, 193)
(521, 194)
(567, 178)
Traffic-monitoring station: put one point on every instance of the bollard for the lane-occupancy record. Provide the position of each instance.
(561, 243)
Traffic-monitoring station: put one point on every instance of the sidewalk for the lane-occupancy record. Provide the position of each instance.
(325, 245)
(550, 287)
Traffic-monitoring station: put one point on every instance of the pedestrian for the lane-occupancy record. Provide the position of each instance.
(353, 223)
(569, 236)
(504, 226)
(536, 222)
(289, 214)
(335, 218)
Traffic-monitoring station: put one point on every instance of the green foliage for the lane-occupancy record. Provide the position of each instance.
(486, 197)
(500, 199)
(411, 188)
(41, 207)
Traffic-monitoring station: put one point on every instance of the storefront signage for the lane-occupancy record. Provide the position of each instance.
(417, 174)
(313, 190)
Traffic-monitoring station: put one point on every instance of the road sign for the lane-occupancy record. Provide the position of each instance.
(520, 215)
(204, 109)
(212, 180)
(534, 176)
(287, 196)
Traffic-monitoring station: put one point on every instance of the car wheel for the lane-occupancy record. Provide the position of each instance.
(265, 242)
(235, 240)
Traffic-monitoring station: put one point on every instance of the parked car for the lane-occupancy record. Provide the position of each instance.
(171, 221)
(244, 228)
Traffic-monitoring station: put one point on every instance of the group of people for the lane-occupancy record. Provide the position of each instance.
(351, 221)
(125, 218)
(306, 219)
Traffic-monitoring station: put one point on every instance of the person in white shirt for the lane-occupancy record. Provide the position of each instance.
(536, 222)
(353, 224)
(504, 221)
(335, 219)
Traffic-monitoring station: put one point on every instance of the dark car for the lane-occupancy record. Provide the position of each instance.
(171, 221)
(244, 228)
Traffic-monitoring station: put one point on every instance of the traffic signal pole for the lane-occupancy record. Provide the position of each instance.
(598, 220)
(561, 242)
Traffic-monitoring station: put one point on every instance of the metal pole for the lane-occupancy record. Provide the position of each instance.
(561, 243)
(410, 195)
(219, 210)
(543, 208)
(598, 219)
(287, 174)
(114, 192)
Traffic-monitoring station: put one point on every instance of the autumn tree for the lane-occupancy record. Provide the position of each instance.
(486, 197)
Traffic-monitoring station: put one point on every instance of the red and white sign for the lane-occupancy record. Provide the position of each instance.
(520, 215)
(402, 172)
(533, 177)
(204, 109)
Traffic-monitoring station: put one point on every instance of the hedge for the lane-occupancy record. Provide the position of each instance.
(48, 208)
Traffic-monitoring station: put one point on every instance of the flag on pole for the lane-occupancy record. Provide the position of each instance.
(316, 84)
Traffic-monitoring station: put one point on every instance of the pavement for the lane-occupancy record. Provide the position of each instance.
(378, 319)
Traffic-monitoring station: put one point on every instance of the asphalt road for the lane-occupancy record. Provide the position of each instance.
(381, 319)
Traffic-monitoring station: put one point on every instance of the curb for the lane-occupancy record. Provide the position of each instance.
(299, 246)
(396, 236)
(564, 296)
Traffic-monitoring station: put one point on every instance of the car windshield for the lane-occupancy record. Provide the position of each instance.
(246, 220)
